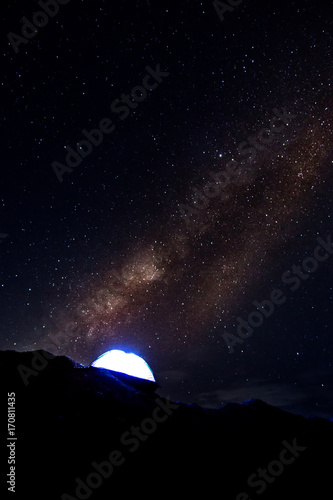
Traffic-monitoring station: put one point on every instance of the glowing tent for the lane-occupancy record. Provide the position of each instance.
(123, 362)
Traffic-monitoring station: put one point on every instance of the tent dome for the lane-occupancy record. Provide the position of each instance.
(124, 362)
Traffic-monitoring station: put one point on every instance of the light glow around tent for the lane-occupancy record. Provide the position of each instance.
(124, 362)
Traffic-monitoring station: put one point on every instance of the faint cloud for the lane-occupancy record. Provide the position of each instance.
(299, 398)
(171, 376)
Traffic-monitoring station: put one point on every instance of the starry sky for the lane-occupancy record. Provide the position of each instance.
(167, 190)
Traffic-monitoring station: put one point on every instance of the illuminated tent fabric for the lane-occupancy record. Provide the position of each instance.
(123, 362)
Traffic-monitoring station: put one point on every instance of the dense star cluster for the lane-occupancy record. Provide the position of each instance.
(164, 165)
(270, 191)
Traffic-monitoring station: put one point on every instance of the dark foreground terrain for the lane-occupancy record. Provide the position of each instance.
(85, 432)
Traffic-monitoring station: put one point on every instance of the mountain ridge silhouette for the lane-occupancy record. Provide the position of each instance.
(76, 424)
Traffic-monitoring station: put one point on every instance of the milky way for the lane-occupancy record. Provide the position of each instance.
(171, 227)
(199, 268)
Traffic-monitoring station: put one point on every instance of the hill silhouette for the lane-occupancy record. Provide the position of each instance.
(85, 432)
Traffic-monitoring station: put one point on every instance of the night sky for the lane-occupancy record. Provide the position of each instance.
(201, 196)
